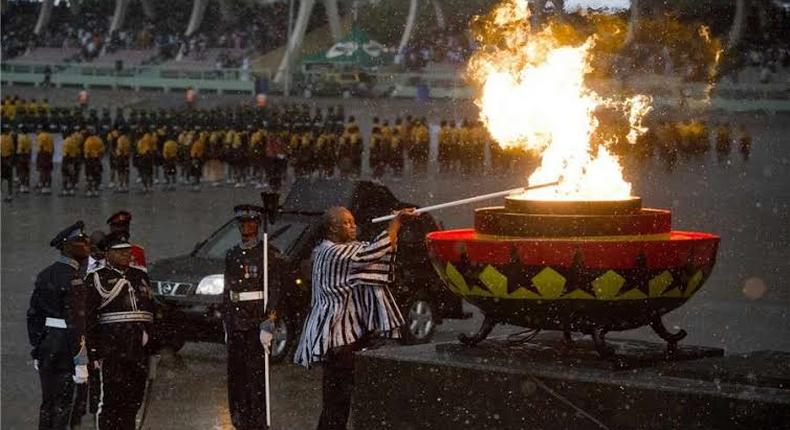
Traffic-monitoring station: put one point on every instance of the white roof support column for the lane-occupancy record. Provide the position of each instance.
(294, 47)
(44, 14)
(333, 17)
(198, 10)
(227, 11)
(404, 40)
(437, 10)
(148, 9)
(118, 17)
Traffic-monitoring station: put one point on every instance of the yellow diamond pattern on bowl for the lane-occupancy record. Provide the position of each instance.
(549, 283)
(608, 285)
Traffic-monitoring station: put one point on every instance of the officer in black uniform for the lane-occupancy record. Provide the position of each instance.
(248, 326)
(56, 327)
(120, 316)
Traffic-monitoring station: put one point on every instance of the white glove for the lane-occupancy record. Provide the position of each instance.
(267, 333)
(35, 365)
(145, 337)
(81, 374)
(266, 340)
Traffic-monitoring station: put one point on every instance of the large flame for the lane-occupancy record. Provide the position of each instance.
(532, 95)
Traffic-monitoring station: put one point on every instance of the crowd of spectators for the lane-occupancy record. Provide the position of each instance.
(442, 46)
(250, 28)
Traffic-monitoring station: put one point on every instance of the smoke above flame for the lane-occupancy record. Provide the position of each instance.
(532, 95)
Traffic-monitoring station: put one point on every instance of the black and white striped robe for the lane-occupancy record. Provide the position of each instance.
(350, 296)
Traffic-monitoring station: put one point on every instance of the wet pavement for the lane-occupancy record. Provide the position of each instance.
(744, 306)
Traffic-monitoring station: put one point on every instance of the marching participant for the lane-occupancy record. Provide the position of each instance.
(196, 159)
(56, 327)
(94, 152)
(145, 160)
(44, 165)
(70, 165)
(120, 159)
(22, 160)
(351, 304)
(7, 163)
(169, 163)
(249, 327)
(120, 316)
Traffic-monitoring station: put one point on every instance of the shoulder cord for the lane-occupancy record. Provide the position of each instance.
(108, 296)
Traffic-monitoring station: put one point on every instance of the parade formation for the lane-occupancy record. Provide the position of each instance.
(258, 147)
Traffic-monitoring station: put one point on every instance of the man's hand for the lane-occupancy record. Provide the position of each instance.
(266, 335)
(145, 338)
(81, 374)
(35, 365)
(97, 364)
(395, 224)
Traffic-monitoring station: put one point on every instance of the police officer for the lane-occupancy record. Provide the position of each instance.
(120, 316)
(249, 327)
(57, 328)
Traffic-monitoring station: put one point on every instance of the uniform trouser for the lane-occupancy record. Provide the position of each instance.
(121, 391)
(246, 380)
(57, 398)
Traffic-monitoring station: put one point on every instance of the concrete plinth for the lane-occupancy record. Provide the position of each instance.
(542, 384)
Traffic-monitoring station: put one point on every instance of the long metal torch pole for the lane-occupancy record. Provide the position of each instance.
(265, 309)
(471, 200)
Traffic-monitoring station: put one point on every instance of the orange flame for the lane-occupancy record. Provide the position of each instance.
(532, 95)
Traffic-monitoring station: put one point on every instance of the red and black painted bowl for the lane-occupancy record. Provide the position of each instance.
(573, 278)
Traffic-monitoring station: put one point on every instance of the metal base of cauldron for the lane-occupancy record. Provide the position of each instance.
(597, 334)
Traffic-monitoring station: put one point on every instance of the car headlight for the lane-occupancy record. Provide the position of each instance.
(211, 285)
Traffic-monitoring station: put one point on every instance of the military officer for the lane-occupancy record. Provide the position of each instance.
(249, 327)
(119, 320)
(57, 329)
(120, 222)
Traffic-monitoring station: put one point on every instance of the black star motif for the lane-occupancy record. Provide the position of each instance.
(470, 271)
(638, 277)
(685, 273)
(518, 275)
(578, 276)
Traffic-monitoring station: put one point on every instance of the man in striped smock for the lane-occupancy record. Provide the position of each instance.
(351, 304)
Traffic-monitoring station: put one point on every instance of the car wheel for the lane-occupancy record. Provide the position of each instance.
(281, 341)
(420, 322)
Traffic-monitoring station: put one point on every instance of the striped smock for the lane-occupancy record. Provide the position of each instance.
(350, 297)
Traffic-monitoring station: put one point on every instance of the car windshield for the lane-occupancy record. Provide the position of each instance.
(283, 234)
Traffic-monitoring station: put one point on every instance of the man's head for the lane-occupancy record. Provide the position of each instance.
(97, 237)
(117, 250)
(120, 222)
(72, 242)
(340, 225)
(248, 219)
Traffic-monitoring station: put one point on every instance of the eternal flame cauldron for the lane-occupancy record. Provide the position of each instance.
(575, 266)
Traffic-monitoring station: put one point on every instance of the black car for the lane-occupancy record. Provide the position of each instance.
(190, 286)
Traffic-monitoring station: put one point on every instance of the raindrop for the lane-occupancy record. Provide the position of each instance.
(754, 288)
